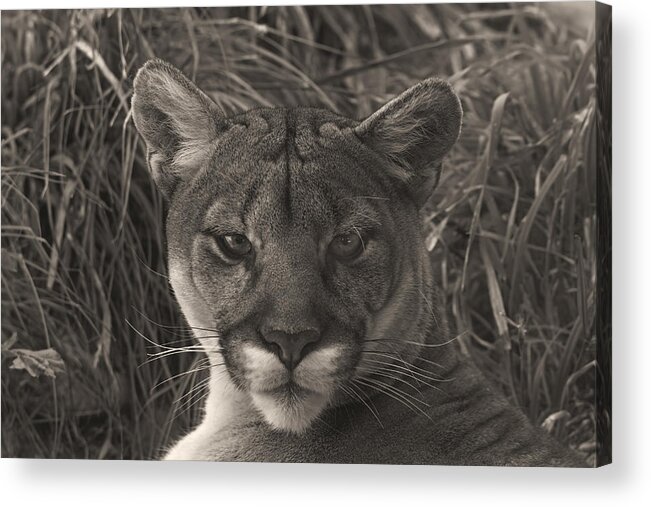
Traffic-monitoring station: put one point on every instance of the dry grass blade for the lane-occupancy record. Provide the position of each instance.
(527, 224)
(99, 62)
(495, 127)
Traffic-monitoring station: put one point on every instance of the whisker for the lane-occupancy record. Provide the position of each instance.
(419, 381)
(401, 370)
(170, 353)
(396, 390)
(191, 339)
(380, 372)
(393, 354)
(368, 359)
(388, 355)
(167, 326)
(429, 305)
(368, 217)
(412, 368)
(189, 399)
(143, 336)
(382, 388)
(171, 350)
(350, 390)
(439, 365)
(205, 366)
(418, 344)
(158, 345)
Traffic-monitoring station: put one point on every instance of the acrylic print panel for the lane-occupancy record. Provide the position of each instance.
(338, 234)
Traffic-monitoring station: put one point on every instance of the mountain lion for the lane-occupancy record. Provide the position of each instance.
(297, 257)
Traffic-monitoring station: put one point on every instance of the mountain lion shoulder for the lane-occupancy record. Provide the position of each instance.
(297, 256)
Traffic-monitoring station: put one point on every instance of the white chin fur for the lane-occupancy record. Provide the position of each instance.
(282, 409)
(288, 413)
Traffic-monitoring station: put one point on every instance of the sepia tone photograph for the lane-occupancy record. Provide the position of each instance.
(360, 234)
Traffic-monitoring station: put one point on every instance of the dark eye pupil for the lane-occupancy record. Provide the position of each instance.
(347, 246)
(237, 241)
(234, 245)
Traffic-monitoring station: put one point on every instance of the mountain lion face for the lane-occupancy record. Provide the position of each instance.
(294, 238)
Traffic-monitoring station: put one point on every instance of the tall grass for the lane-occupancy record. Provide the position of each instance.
(86, 309)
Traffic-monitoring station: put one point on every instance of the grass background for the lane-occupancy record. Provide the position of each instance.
(92, 341)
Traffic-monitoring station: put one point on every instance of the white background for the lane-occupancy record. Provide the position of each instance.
(626, 482)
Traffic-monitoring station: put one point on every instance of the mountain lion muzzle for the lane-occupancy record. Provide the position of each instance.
(297, 257)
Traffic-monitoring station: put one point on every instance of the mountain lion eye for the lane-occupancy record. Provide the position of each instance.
(234, 246)
(347, 246)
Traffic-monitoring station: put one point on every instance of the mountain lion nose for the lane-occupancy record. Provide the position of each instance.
(291, 347)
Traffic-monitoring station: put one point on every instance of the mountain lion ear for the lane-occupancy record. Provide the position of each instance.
(178, 122)
(414, 132)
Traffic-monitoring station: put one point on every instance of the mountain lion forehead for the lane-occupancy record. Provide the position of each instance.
(292, 175)
(320, 209)
(296, 119)
(270, 130)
